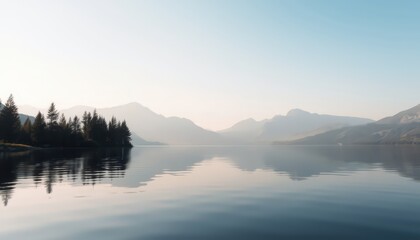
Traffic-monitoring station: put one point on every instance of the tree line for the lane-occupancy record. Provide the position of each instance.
(56, 130)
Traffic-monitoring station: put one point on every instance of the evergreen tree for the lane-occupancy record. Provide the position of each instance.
(76, 132)
(26, 132)
(112, 132)
(125, 134)
(39, 130)
(54, 132)
(75, 126)
(9, 121)
(92, 131)
(52, 115)
(86, 121)
(63, 122)
(63, 133)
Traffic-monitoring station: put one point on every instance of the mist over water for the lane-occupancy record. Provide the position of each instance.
(363, 192)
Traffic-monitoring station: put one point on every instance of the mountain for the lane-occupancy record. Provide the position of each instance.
(30, 110)
(244, 131)
(137, 140)
(408, 116)
(402, 128)
(154, 127)
(79, 110)
(148, 127)
(22, 117)
(295, 125)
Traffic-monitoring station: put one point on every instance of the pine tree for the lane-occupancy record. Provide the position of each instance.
(92, 131)
(52, 115)
(39, 130)
(63, 122)
(75, 126)
(9, 121)
(125, 134)
(112, 132)
(86, 121)
(26, 132)
(63, 133)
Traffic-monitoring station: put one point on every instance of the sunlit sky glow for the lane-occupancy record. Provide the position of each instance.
(214, 62)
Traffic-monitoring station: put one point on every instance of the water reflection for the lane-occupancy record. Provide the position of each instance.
(269, 192)
(54, 166)
(299, 163)
(47, 168)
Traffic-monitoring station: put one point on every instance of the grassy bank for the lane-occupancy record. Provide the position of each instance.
(13, 147)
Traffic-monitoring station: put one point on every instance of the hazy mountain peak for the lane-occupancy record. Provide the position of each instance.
(133, 104)
(77, 107)
(411, 115)
(248, 124)
(297, 112)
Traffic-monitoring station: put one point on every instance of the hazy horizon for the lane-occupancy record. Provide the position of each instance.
(214, 62)
(32, 110)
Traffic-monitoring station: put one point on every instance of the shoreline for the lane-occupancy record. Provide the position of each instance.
(15, 147)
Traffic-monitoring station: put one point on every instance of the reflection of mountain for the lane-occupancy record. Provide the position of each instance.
(304, 162)
(111, 166)
(154, 161)
(299, 162)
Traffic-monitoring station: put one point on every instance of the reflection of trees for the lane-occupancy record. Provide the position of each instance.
(47, 168)
(8, 177)
(51, 166)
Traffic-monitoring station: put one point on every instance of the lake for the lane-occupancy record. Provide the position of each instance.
(212, 192)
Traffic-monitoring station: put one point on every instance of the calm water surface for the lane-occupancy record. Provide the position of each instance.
(259, 192)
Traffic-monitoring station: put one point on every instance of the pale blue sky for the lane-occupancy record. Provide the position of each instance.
(214, 62)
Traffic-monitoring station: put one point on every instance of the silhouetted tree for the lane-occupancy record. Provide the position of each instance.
(125, 134)
(64, 132)
(76, 132)
(93, 130)
(39, 130)
(75, 126)
(9, 121)
(26, 132)
(52, 115)
(54, 131)
(86, 120)
(112, 132)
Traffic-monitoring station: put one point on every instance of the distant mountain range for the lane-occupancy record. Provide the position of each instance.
(402, 128)
(153, 128)
(297, 127)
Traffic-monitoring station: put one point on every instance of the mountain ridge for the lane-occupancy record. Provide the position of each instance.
(401, 128)
(297, 123)
(296, 127)
(406, 116)
(154, 127)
